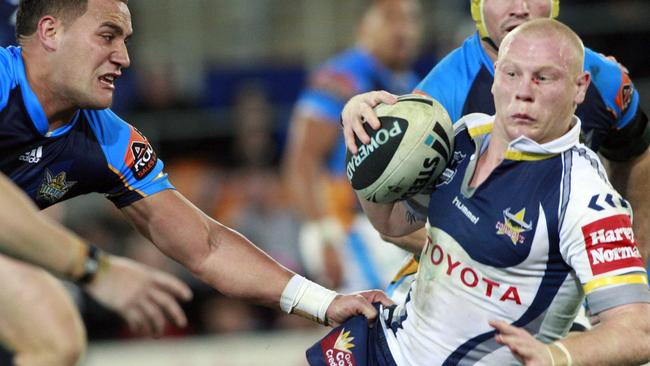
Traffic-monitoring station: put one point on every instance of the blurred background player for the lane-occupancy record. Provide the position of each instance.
(338, 245)
(613, 122)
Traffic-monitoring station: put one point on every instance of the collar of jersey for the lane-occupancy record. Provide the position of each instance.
(482, 55)
(523, 148)
(33, 106)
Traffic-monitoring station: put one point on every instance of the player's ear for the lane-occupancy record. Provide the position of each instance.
(583, 81)
(48, 31)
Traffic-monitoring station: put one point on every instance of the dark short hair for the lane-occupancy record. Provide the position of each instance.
(31, 11)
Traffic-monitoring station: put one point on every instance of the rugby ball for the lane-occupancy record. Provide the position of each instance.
(406, 154)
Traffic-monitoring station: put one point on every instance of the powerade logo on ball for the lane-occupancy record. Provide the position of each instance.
(383, 143)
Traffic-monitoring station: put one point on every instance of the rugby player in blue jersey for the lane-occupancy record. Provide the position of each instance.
(338, 245)
(524, 228)
(58, 140)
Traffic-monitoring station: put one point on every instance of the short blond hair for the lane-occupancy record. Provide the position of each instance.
(550, 28)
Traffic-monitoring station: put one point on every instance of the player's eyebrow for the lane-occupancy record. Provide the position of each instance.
(115, 28)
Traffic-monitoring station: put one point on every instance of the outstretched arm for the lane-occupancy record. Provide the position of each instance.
(621, 338)
(230, 263)
(146, 298)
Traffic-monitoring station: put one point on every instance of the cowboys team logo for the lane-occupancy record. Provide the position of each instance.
(514, 225)
(54, 187)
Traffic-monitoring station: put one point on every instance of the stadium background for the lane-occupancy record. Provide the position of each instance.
(211, 84)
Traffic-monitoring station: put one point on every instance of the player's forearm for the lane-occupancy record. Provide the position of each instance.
(390, 219)
(632, 180)
(623, 340)
(28, 235)
(413, 242)
(237, 268)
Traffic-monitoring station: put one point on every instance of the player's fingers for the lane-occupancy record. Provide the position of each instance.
(360, 132)
(365, 307)
(154, 320)
(173, 286)
(369, 116)
(377, 296)
(348, 135)
(169, 306)
(503, 327)
(134, 320)
(383, 96)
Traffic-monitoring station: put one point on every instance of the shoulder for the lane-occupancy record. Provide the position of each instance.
(606, 74)
(10, 62)
(587, 185)
(474, 123)
(346, 72)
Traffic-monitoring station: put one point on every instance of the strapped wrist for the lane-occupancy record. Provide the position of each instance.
(95, 260)
(307, 299)
(560, 355)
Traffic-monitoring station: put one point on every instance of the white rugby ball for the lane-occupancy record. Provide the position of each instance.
(406, 154)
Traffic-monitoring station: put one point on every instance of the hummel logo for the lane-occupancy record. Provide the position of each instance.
(33, 156)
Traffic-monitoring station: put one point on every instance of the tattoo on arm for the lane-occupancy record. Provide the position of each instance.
(411, 218)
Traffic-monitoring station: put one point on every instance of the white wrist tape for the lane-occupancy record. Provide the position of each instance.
(307, 299)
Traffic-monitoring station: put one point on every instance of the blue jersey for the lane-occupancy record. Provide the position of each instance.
(352, 72)
(461, 82)
(542, 231)
(95, 152)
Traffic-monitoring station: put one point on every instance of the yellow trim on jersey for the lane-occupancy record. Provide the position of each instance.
(125, 182)
(408, 269)
(522, 155)
(616, 280)
(480, 130)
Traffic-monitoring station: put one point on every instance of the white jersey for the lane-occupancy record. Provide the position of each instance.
(544, 230)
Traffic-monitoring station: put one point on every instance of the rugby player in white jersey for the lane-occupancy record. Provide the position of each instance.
(527, 227)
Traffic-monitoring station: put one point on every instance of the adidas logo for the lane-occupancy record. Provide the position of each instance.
(33, 156)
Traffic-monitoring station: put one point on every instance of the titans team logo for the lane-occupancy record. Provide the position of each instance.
(54, 187)
(514, 226)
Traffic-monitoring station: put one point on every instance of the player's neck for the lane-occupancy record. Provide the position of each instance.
(57, 109)
(489, 159)
(489, 50)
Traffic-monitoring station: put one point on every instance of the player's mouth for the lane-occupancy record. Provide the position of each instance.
(108, 80)
(522, 117)
(509, 27)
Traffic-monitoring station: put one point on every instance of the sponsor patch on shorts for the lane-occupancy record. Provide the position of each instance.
(611, 245)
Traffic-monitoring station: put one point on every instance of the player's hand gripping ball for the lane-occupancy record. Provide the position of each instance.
(406, 154)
